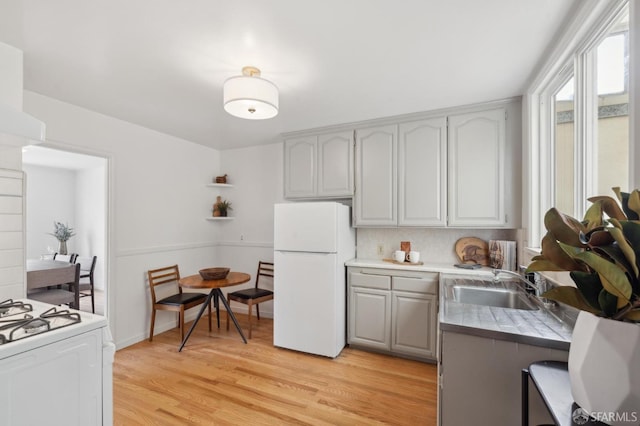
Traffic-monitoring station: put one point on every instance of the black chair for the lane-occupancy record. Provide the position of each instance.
(87, 267)
(253, 296)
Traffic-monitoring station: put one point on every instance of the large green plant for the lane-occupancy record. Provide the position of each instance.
(602, 254)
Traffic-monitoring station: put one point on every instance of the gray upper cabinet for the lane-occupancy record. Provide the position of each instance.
(453, 170)
(449, 168)
(300, 167)
(401, 174)
(376, 187)
(477, 168)
(422, 173)
(335, 165)
(319, 166)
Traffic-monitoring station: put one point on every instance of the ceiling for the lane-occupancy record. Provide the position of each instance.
(162, 63)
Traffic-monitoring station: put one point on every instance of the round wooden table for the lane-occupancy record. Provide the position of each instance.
(196, 282)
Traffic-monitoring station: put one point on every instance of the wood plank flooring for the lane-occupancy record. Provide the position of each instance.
(218, 380)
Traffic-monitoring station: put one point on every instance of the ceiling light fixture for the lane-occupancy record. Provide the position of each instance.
(250, 96)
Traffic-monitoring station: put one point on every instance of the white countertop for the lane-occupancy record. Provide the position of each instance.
(426, 267)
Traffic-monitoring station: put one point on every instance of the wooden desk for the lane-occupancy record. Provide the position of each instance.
(196, 281)
(44, 273)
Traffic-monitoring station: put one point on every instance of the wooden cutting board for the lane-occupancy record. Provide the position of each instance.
(473, 250)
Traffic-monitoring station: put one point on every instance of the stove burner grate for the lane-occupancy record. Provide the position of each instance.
(10, 307)
(25, 326)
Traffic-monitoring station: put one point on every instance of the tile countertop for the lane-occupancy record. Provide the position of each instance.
(539, 327)
(533, 327)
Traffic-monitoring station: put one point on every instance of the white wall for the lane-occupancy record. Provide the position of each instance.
(11, 241)
(50, 197)
(10, 94)
(74, 197)
(158, 202)
(91, 219)
(256, 173)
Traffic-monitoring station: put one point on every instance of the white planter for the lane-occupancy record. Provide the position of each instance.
(604, 369)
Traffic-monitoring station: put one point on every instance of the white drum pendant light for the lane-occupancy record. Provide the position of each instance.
(249, 96)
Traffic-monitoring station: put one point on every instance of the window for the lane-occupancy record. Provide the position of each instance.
(564, 146)
(612, 82)
(579, 129)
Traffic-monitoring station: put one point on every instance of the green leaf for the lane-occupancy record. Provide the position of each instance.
(634, 203)
(616, 255)
(564, 228)
(543, 265)
(589, 286)
(632, 316)
(612, 277)
(597, 237)
(625, 248)
(570, 296)
(631, 231)
(608, 303)
(610, 206)
(553, 251)
(630, 213)
(593, 216)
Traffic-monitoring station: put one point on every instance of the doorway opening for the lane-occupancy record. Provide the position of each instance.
(71, 188)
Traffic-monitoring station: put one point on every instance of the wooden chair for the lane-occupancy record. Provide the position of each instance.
(87, 267)
(71, 258)
(253, 296)
(164, 298)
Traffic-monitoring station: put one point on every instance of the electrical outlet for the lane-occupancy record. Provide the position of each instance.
(380, 249)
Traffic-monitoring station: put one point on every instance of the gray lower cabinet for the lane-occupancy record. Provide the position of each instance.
(393, 311)
(480, 380)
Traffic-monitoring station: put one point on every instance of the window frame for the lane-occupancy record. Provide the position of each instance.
(575, 55)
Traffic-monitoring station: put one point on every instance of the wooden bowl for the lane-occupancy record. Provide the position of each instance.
(214, 273)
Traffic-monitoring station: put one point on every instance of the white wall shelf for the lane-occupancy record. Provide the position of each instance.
(220, 185)
(220, 218)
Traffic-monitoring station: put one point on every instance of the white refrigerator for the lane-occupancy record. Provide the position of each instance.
(312, 241)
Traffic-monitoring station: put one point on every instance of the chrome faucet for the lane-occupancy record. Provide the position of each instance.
(536, 289)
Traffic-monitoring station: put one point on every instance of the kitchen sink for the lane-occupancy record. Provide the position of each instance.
(498, 297)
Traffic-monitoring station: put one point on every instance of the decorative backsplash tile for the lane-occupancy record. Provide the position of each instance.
(434, 245)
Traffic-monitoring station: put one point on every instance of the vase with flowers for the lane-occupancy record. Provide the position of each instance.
(63, 233)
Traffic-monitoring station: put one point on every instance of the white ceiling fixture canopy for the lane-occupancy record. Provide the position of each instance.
(250, 96)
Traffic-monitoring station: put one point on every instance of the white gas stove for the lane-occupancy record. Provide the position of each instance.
(55, 365)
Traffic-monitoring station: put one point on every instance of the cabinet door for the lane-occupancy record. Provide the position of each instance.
(65, 377)
(300, 167)
(422, 173)
(414, 324)
(477, 169)
(335, 165)
(375, 196)
(370, 317)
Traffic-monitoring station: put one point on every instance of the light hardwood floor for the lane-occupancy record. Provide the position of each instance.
(218, 380)
(85, 302)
